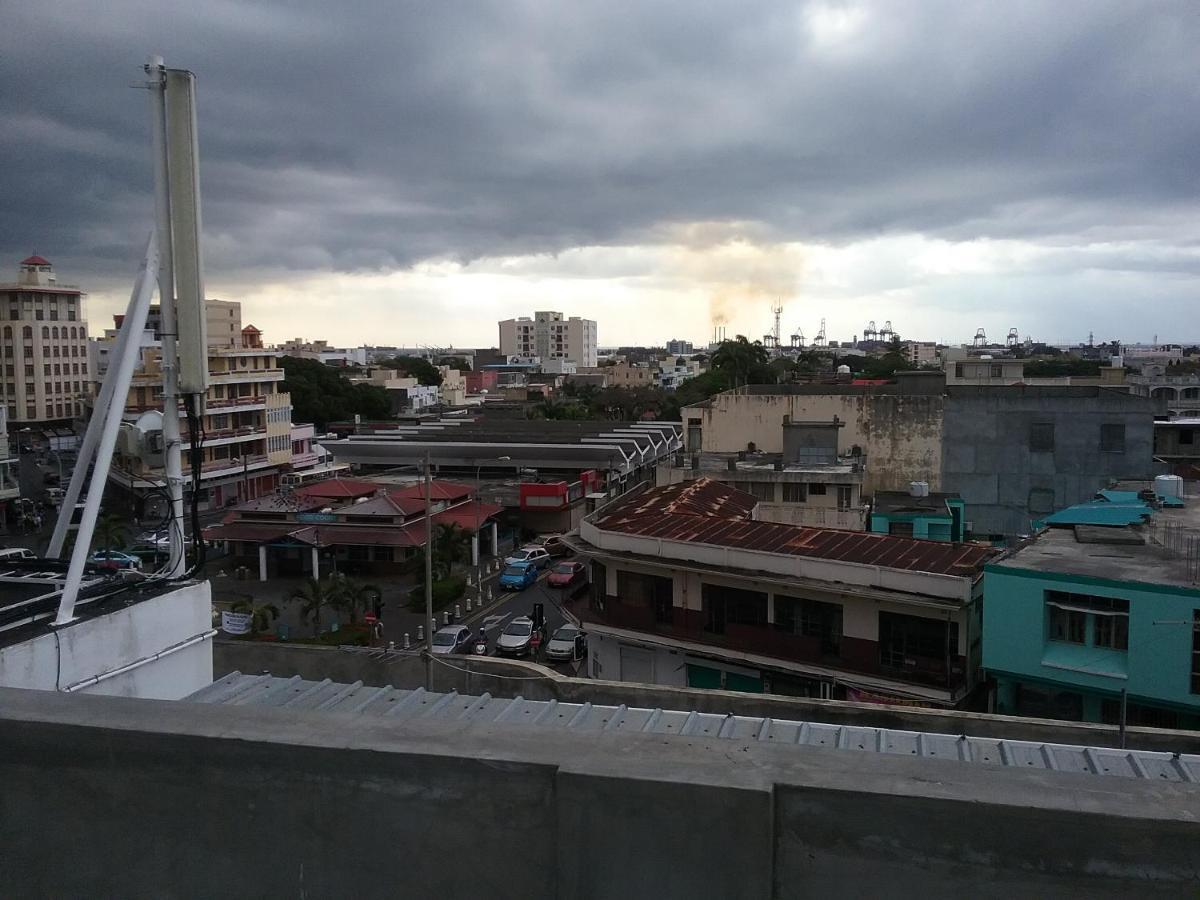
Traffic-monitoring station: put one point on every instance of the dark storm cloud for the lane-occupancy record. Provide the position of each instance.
(369, 136)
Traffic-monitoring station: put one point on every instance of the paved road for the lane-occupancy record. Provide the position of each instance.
(515, 604)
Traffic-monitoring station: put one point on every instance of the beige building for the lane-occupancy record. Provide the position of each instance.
(453, 389)
(45, 369)
(920, 353)
(549, 336)
(224, 323)
(247, 441)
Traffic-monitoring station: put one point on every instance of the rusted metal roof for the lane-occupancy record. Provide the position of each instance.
(339, 489)
(703, 512)
(438, 490)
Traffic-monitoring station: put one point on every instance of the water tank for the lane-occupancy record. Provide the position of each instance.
(843, 370)
(918, 488)
(1168, 486)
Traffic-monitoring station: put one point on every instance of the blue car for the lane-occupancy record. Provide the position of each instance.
(518, 576)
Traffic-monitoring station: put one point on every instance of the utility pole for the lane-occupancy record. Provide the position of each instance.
(172, 446)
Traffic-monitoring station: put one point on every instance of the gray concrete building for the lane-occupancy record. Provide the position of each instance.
(1013, 452)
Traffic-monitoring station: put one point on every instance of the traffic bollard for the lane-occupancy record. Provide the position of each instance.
(489, 594)
(406, 644)
(468, 606)
(457, 612)
(420, 633)
(391, 646)
(446, 617)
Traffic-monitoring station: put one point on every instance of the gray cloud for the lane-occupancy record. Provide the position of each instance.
(370, 136)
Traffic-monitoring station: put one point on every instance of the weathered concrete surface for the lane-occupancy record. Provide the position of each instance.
(117, 797)
(511, 678)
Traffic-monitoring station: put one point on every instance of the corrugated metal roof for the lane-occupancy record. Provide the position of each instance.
(605, 722)
(1100, 512)
(713, 513)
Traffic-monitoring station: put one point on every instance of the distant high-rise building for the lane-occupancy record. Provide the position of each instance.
(548, 335)
(44, 376)
(677, 347)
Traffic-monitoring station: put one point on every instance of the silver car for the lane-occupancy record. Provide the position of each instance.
(451, 639)
(567, 644)
(514, 639)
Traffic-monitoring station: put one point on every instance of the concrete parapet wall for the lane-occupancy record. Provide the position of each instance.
(108, 796)
(511, 678)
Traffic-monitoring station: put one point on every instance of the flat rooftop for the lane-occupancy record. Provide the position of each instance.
(900, 502)
(1152, 552)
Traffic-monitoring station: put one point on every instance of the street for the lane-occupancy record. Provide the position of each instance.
(515, 604)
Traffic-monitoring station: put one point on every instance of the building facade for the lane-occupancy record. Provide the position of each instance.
(45, 375)
(246, 441)
(550, 335)
(1087, 615)
(690, 589)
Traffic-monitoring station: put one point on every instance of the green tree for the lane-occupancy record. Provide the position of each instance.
(322, 394)
(415, 367)
(353, 596)
(313, 597)
(455, 362)
(743, 362)
(450, 543)
(261, 616)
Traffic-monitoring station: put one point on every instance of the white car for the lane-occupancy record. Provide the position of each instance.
(534, 556)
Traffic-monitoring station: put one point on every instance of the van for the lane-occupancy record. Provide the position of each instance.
(14, 553)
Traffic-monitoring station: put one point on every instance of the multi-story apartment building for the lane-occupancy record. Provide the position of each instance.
(247, 426)
(10, 487)
(548, 335)
(676, 347)
(920, 353)
(45, 367)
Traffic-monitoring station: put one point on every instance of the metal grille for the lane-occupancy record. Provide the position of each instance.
(237, 689)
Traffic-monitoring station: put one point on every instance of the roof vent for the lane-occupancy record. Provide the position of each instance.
(918, 488)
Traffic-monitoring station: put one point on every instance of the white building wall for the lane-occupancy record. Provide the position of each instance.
(128, 637)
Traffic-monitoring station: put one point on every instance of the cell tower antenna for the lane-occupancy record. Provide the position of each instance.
(777, 311)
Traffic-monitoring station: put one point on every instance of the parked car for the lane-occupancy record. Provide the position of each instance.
(16, 553)
(566, 574)
(159, 539)
(451, 639)
(568, 643)
(536, 556)
(518, 576)
(555, 546)
(114, 559)
(514, 639)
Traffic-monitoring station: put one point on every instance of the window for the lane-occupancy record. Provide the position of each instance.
(1112, 438)
(29, 371)
(958, 370)
(8, 332)
(900, 529)
(795, 493)
(816, 489)
(647, 591)
(1186, 435)
(1137, 715)
(53, 332)
(1041, 436)
(39, 315)
(760, 490)
(731, 606)
(45, 332)
(1071, 617)
(996, 371)
(844, 495)
(913, 642)
(46, 369)
(811, 618)
(27, 332)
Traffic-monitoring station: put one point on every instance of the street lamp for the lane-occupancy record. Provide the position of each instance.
(478, 543)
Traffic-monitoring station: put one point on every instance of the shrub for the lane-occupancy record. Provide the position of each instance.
(445, 592)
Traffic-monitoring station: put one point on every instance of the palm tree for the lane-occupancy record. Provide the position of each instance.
(110, 533)
(313, 596)
(449, 546)
(353, 596)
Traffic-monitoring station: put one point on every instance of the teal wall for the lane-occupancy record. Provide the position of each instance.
(934, 528)
(1156, 668)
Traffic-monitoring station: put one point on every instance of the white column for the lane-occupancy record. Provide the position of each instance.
(475, 549)
(495, 539)
(262, 562)
(316, 561)
(770, 609)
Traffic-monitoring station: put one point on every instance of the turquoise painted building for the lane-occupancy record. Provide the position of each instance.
(934, 517)
(1085, 611)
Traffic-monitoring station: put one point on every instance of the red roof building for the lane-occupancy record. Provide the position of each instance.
(35, 260)
(689, 588)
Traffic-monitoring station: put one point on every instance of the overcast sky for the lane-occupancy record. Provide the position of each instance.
(409, 173)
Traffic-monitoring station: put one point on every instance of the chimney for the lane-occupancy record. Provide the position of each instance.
(731, 464)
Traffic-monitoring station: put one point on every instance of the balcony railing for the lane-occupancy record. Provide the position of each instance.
(246, 462)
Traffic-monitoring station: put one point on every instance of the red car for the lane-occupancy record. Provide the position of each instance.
(566, 574)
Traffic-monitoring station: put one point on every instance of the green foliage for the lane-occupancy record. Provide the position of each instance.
(261, 616)
(445, 592)
(414, 367)
(455, 362)
(322, 394)
(703, 386)
(743, 362)
(1066, 365)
